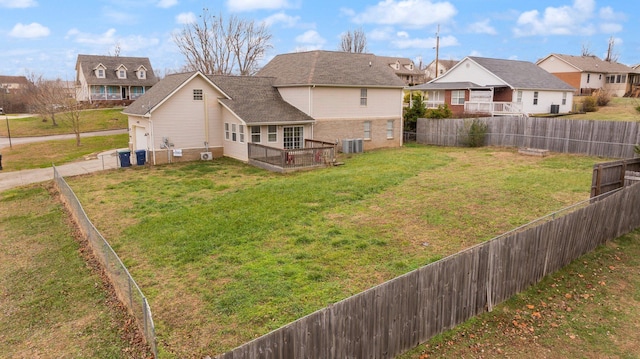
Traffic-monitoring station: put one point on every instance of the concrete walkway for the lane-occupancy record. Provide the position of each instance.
(104, 161)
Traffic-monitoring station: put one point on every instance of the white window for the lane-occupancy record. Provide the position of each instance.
(142, 74)
(367, 130)
(389, 129)
(226, 131)
(293, 137)
(100, 73)
(519, 98)
(234, 134)
(535, 97)
(197, 95)
(256, 134)
(457, 97)
(241, 132)
(564, 98)
(272, 133)
(122, 74)
(363, 97)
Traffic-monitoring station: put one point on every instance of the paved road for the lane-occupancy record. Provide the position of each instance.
(104, 161)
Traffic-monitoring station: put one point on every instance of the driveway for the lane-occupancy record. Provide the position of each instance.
(104, 161)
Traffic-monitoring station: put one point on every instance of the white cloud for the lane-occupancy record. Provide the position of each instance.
(31, 31)
(250, 5)
(165, 4)
(129, 43)
(381, 34)
(407, 13)
(482, 27)
(424, 43)
(186, 18)
(402, 34)
(309, 40)
(610, 28)
(18, 4)
(563, 20)
(282, 18)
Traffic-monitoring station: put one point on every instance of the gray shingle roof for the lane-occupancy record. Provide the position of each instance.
(87, 63)
(403, 61)
(330, 68)
(157, 94)
(445, 86)
(256, 101)
(594, 64)
(522, 74)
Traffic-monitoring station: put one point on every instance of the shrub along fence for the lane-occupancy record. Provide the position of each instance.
(395, 316)
(125, 286)
(612, 139)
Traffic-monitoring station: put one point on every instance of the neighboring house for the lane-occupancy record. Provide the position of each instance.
(590, 73)
(498, 87)
(9, 84)
(434, 69)
(321, 96)
(112, 78)
(405, 69)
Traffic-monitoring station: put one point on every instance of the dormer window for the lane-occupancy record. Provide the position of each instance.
(141, 72)
(121, 72)
(100, 71)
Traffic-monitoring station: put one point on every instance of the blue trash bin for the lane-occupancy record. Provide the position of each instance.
(141, 157)
(125, 158)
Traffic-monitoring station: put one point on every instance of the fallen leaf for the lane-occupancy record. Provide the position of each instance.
(531, 306)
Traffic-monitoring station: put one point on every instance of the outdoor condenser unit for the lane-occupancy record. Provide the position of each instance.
(205, 156)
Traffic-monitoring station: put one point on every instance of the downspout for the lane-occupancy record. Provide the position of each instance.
(153, 140)
(401, 135)
(206, 124)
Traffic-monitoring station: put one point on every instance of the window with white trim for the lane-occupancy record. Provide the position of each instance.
(227, 133)
(564, 98)
(100, 73)
(122, 74)
(293, 137)
(272, 133)
(197, 95)
(367, 130)
(241, 132)
(519, 97)
(234, 133)
(535, 97)
(363, 97)
(142, 74)
(256, 134)
(457, 97)
(389, 129)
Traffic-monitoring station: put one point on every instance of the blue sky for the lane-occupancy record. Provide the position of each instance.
(44, 37)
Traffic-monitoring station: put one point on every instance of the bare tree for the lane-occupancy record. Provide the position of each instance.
(216, 45)
(249, 44)
(73, 114)
(354, 41)
(117, 48)
(611, 56)
(47, 97)
(586, 49)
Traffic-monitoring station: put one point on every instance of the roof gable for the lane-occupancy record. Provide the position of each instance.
(87, 64)
(589, 64)
(330, 68)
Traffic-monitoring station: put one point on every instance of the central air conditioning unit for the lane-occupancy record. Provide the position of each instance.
(205, 156)
(355, 145)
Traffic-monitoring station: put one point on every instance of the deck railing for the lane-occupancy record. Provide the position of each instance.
(492, 108)
(315, 154)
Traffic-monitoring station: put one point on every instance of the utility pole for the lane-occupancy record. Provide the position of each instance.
(437, 48)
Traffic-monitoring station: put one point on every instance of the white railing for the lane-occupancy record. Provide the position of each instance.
(433, 104)
(493, 108)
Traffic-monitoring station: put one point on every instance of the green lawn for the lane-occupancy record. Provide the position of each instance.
(43, 154)
(91, 120)
(53, 304)
(227, 252)
(618, 109)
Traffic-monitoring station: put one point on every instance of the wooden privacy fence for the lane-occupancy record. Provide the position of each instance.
(612, 139)
(610, 176)
(395, 316)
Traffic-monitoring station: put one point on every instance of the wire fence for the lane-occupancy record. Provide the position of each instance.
(125, 286)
